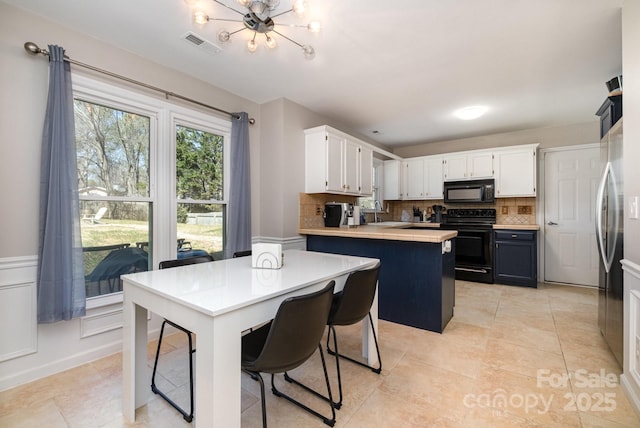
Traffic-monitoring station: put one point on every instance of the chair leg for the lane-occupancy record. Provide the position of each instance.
(375, 340)
(329, 421)
(187, 416)
(337, 355)
(258, 377)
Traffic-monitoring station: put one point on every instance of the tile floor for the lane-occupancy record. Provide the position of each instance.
(511, 357)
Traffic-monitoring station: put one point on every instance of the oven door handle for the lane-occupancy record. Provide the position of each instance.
(472, 270)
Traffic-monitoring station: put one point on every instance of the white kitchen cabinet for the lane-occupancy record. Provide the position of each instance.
(414, 170)
(433, 177)
(468, 165)
(366, 170)
(424, 178)
(336, 163)
(394, 178)
(515, 171)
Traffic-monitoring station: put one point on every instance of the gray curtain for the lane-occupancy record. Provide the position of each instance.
(239, 206)
(61, 292)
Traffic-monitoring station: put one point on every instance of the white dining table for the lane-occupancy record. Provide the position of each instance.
(217, 301)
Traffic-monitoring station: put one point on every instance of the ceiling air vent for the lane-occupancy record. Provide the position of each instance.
(199, 42)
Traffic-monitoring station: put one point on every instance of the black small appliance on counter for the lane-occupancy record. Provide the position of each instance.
(336, 214)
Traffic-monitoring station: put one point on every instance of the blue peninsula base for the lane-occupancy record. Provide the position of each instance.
(416, 286)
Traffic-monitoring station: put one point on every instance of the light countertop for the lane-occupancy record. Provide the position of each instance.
(397, 230)
(517, 226)
(389, 232)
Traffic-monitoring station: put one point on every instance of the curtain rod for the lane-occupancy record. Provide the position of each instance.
(33, 49)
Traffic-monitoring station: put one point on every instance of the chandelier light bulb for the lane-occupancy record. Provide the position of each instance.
(252, 46)
(199, 17)
(270, 42)
(224, 36)
(259, 9)
(244, 3)
(314, 27)
(309, 52)
(299, 7)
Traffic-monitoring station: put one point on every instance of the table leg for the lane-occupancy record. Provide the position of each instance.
(135, 390)
(218, 385)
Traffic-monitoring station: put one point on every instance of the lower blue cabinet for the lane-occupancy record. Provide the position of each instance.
(516, 257)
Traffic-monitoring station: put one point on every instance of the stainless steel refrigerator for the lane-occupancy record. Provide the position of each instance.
(609, 236)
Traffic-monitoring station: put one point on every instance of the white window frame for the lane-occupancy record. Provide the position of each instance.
(164, 116)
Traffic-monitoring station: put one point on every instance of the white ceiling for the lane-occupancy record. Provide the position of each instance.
(397, 67)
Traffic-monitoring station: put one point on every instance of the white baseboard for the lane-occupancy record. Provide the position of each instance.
(631, 392)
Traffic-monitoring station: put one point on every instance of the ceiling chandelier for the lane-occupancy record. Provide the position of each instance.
(257, 17)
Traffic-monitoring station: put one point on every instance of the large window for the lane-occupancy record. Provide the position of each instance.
(199, 191)
(127, 145)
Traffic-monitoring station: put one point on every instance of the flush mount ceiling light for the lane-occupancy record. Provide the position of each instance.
(257, 17)
(470, 113)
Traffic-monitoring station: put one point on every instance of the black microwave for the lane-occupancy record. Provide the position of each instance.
(469, 191)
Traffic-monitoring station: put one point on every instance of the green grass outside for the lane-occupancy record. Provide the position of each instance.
(112, 232)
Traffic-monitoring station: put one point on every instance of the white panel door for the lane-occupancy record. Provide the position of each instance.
(571, 180)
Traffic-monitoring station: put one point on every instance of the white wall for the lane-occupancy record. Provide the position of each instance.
(569, 135)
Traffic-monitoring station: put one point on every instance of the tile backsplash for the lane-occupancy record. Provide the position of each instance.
(508, 210)
(312, 207)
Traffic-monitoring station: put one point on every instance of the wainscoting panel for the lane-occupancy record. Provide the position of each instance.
(630, 379)
(18, 316)
(101, 320)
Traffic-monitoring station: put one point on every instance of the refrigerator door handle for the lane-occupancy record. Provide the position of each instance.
(599, 206)
(611, 243)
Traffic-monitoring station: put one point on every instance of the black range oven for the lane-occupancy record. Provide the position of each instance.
(474, 243)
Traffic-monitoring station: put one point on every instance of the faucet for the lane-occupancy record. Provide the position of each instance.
(376, 204)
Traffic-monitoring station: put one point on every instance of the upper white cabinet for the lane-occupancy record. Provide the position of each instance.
(337, 163)
(515, 171)
(424, 177)
(394, 178)
(468, 165)
(366, 170)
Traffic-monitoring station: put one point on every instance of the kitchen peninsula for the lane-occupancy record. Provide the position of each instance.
(416, 286)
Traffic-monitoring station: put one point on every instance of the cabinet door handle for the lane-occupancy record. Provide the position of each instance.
(551, 223)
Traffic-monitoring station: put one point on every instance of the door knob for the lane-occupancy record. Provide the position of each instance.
(551, 223)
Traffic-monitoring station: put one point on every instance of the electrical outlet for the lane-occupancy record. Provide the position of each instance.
(505, 209)
(318, 210)
(524, 209)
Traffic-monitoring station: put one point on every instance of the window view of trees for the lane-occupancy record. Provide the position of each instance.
(199, 190)
(114, 184)
(113, 150)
